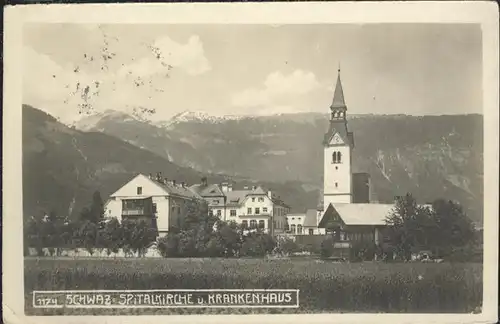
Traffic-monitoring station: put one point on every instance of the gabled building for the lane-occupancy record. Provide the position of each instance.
(163, 203)
(251, 207)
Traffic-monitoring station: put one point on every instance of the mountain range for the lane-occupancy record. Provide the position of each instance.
(63, 167)
(429, 156)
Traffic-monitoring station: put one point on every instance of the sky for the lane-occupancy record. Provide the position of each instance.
(71, 70)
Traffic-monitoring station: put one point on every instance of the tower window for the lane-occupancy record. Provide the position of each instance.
(336, 184)
(336, 157)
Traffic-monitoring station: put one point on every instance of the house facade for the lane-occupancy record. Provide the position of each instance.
(253, 208)
(161, 202)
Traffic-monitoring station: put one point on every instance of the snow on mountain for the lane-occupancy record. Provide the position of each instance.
(197, 116)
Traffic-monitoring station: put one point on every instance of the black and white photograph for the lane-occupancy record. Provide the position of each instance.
(231, 167)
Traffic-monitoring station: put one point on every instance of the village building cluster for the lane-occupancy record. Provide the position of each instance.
(346, 209)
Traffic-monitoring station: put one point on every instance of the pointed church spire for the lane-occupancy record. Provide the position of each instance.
(338, 95)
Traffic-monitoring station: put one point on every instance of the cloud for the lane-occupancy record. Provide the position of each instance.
(190, 56)
(277, 89)
(166, 54)
(86, 84)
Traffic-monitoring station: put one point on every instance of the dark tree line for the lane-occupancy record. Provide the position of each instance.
(89, 231)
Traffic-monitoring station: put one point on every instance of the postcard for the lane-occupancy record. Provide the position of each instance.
(243, 162)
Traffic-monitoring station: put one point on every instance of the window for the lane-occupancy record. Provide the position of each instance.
(336, 157)
(336, 167)
(219, 213)
(139, 190)
(336, 184)
(311, 231)
(216, 202)
(262, 224)
(299, 229)
(173, 209)
(274, 224)
(253, 199)
(244, 224)
(253, 223)
(154, 208)
(232, 212)
(264, 210)
(257, 211)
(293, 228)
(249, 211)
(293, 218)
(287, 227)
(261, 199)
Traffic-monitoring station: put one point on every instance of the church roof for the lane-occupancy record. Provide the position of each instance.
(364, 214)
(340, 128)
(358, 214)
(338, 95)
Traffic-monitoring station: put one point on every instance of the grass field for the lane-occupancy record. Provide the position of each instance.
(324, 287)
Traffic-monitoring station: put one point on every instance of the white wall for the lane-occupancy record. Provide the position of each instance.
(162, 213)
(248, 203)
(337, 173)
(149, 188)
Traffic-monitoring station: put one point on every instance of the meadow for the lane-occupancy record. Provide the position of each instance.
(371, 287)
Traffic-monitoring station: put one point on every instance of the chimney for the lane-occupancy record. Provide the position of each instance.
(224, 186)
(270, 194)
(254, 187)
(245, 188)
(204, 181)
(230, 187)
(151, 176)
(183, 184)
(173, 182)
(165, 180)
(158, 176)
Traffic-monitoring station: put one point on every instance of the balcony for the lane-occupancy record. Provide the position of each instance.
(133, 212)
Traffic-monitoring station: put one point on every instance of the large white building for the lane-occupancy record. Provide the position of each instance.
(162, 202)
(252, 207)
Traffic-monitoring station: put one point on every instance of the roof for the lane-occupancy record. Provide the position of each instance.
(364, 214)
(178, 190)
(310, 219)
(236, 197)
(338, 95)
(212, 190)
(338, 126)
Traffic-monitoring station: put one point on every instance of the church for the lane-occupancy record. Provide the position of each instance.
(345, 209)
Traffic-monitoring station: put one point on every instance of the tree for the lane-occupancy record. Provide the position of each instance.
(110, 236)
(257, 244)
(97, 208)
(169, 244)
(403, 225)
(138, 235)
(453, 228)
(440, 229)
(86, 236)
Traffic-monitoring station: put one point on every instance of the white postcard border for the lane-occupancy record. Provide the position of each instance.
(484, 13)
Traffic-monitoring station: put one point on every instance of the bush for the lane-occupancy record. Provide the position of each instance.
(327, 247)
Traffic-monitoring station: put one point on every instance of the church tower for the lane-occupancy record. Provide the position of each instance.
(338, 144)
